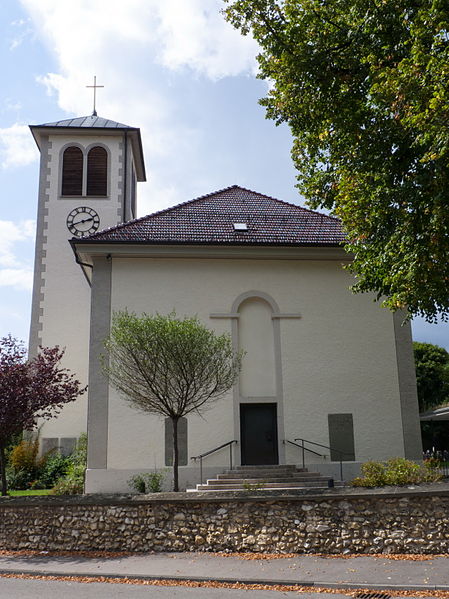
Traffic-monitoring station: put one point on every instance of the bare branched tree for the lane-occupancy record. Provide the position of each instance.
(169, 366)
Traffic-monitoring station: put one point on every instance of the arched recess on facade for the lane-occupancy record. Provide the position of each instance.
(256, 330)
(72, 171)
(256, 294)
(256, 337)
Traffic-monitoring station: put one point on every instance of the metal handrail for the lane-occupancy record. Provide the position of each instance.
(325, 446)
(205, 454)
(304, 449)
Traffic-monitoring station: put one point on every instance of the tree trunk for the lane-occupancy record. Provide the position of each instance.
(3, 471)
(175, 455)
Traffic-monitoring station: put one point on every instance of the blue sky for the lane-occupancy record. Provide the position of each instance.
(173, 68)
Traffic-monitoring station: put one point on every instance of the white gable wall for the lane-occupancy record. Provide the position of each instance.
(338, 357)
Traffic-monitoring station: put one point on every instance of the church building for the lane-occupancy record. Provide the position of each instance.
(321, 363)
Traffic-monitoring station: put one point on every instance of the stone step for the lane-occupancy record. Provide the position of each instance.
(263, 472)
(266, 467)
(267, 474)
(263, 483)
(268, 487)
(273, 479)
(267, 478)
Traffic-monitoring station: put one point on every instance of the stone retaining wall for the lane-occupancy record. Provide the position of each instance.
(335, 521)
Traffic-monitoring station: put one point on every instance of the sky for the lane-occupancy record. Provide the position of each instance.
(175, 69)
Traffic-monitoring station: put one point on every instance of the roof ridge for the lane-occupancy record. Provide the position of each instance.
(263, 195)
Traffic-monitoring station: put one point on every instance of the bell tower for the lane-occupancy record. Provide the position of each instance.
(89, 168)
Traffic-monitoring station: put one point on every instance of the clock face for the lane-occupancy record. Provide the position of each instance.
(83, 221)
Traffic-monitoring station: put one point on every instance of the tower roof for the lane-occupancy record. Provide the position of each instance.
(231, 216)
(83, 122)
(86, 124)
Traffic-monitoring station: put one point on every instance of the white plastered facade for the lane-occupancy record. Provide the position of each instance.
(313, 349)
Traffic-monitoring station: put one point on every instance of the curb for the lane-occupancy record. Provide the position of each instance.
(244, 581)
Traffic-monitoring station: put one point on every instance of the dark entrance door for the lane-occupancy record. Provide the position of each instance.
(258, 433)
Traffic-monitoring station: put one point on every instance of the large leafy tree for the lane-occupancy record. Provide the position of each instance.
(30, 390)
(169, 366)
(364, 87)
(432, 374)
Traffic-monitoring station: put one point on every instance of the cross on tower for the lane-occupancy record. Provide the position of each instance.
(95, 86)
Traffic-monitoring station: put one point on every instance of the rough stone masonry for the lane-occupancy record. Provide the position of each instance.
(394, 520)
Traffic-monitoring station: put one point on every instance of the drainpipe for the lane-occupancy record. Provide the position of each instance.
(125, 177)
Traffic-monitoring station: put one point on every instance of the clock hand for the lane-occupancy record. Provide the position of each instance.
(85, 220)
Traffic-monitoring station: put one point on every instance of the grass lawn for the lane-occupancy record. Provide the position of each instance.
(31, 492)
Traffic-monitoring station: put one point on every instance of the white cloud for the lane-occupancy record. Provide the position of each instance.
(133, 48)
(17, 147)
(22, 30)
(19, 278)
(13, 271)
(194, 34)
(178, 33)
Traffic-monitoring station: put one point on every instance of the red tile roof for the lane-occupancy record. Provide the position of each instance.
(210, 220)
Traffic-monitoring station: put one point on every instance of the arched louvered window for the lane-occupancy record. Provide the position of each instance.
(72, 172)
(97, 171)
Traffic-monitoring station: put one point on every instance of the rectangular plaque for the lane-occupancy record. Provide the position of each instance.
(182, 442)
(341, 437)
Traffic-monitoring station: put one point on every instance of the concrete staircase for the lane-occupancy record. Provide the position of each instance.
(266, 478)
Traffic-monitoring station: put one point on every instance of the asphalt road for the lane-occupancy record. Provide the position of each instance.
(14, 588)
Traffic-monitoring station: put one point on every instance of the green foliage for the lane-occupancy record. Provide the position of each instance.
(55, 467)
(30, 390)
(254, 486)
(73, 482)
(26, 470)
(432, 375)
(24, 465)
(24, 457)
(151, 482)
(29, 493)
(19, 479)
(364, 87)
(169, 366)
(373, 475)
(396, 471)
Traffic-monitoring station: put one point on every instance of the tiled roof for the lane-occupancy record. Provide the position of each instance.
(86, 122)
(210, 220)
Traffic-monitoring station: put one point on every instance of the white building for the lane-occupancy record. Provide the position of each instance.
(321, 363)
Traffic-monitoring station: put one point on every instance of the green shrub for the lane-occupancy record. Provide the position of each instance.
(430, 472)
(147, 483)
(395, 471)
(373, 475)
(400, 471)
(73, 482)
(55, 467)
(19, 479)
(25, 463)
(24, 456)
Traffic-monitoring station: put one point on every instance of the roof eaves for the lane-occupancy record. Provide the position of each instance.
(91, 240)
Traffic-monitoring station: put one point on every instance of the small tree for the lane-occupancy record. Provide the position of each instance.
(432, 374)
(30, 390)
(168, 366)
